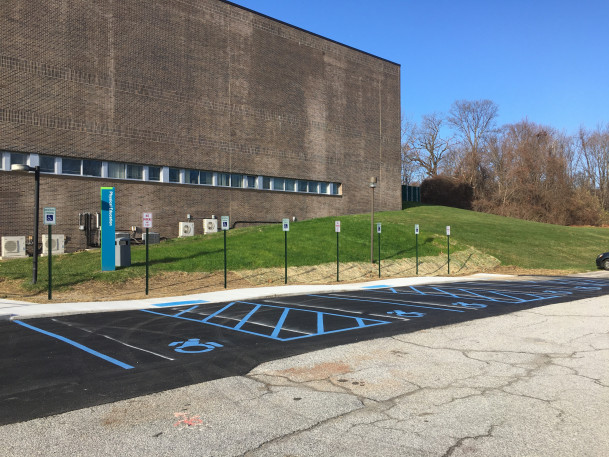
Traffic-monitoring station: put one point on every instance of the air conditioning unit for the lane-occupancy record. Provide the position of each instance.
(210, 226)
(153, 237)
(186, 229)
(13, 246)
(57, 246)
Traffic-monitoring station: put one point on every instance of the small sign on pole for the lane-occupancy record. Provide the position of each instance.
(337, 226)
(49, 219)
(147, 224)
(225, 225)
(286, 224)
(448, 230)
(416, 238)
(378, 228)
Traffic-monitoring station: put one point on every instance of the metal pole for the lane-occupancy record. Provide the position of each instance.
(147, 258)
(448, 238)
(337, 280)
(286, 258)
(372, 228)
(417, 250)
(379, 243)
(50, 259)
(224, 259)
(36, 219)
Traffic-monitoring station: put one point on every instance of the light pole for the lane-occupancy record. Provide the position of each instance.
(372, 186)
(36, 170)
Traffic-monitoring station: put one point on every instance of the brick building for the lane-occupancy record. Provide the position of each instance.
(193, 107)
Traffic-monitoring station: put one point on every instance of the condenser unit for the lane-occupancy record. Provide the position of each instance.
(186, 229)
(13, 246)
(58, 245)
(153, 237)
(210, 226)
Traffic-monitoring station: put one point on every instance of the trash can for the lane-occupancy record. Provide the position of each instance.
(122, 252)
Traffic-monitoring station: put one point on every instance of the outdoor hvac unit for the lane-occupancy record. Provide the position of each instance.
(13, 246)
(57, 247)
(187, 229)
(210, 226)
(153, 237)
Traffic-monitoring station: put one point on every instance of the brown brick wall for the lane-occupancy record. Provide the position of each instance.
(196, 84)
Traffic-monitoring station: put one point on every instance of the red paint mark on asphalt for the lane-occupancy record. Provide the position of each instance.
(186, 420)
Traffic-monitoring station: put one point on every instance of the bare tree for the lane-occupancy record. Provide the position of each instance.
(474, 122)
(425, 146)
(594, 155)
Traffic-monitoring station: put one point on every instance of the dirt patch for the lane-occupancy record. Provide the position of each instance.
(179, 283)
(317, 372)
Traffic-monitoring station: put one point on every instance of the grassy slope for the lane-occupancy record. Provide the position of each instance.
(513, 242)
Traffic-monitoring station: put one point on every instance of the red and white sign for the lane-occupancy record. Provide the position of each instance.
(337, 226)
(147, 220)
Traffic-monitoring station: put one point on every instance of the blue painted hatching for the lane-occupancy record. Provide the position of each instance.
(76, 345)
(275, 330)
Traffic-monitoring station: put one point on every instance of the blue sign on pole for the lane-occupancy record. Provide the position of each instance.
(108, 231)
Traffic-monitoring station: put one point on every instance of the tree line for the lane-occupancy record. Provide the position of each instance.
(524, 170)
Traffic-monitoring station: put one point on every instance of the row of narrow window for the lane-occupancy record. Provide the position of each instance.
(119, 170)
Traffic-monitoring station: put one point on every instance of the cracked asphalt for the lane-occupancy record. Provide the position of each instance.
(534, 382)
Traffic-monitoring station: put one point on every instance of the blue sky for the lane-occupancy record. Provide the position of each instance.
(544, 60)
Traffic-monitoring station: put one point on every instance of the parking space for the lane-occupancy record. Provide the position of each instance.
(60, 363)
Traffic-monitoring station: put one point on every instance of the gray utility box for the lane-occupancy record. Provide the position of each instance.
(153, 238)
(122, 252)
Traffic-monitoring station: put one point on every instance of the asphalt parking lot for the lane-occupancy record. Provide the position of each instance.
(56, 364)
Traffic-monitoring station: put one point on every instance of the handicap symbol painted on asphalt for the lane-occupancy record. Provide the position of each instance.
(397, 312)
(194, 346)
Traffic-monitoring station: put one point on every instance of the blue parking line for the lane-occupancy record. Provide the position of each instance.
(385, 302)
(77, 345)
(282, 319)
(179, 303)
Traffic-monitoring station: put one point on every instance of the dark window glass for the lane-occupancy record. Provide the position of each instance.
(290, 185)
(323, 187)
(192, 177)
(223, 179)
(91, 168)
(154, 173)
(236, 180)
(174, 175)
(116, 170)
(313, 186)
(302, 186)
(18, 158)
(266, 182)
(334, 188)
(250, 181)
(70, 166)
(278, 183)
(47, 164)
(207, 177)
